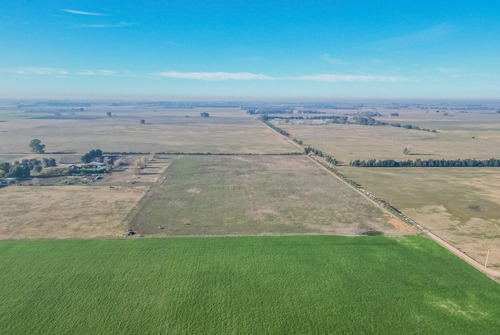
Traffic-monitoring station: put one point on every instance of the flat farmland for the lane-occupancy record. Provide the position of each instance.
(243, 285)
(461, 136)
(36, 212)
(461, 205)
(253, 195)
(165, 130)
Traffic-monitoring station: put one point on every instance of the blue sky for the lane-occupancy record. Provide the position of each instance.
(250, 49)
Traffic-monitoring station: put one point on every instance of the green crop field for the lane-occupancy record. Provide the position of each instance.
(251, 195)
(243, 285)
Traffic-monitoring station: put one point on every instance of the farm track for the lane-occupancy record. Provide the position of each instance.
(489, 272)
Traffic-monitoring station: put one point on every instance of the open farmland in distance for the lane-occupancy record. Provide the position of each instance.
(463, 135)
(461, 205)
(244, 285)
(249, 195)
(227, 130)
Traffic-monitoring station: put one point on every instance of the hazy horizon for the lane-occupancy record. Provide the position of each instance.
(250, 50)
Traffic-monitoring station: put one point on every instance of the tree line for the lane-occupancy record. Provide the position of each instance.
(492, 162)
(24, 168)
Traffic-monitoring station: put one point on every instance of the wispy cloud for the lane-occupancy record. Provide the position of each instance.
(427, 36)
(28, 71)
(79, 12)
(44, 71)
(97, 73)
(215, 76)
(327, 77)
(335, 61)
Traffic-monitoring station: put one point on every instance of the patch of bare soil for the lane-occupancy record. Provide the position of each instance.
(400, 225)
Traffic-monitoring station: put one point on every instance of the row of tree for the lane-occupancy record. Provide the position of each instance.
(24, 168)
(492, 162)
(91, 156)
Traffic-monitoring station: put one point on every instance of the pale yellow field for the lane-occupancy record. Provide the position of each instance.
(65, 211)
(225, 131)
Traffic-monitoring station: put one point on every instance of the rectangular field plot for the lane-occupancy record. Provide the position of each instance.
(243, 285)
(65, 211)
(249, 195)
(227, 131)
(461, 205)
(349, 142)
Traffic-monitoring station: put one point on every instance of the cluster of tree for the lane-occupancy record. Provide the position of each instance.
(36, 146)
(309, 149)
(307, 111)
(24, 168)
(492, 162)
(297, 141)
(204, 114)
(264, 119)
(91, 156)
(335, 118)
(332, 160)
(409, 126)
(266, 111)
(367, 121)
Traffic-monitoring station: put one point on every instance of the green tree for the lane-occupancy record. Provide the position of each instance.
(37, 146)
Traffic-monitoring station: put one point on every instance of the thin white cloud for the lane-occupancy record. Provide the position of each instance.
(79, 12)
(97, 73)
(335, 61)
(327, 77)
(44, 71)
(215, 76)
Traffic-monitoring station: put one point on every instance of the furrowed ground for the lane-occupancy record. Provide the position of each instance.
(252, 195)
(243, 285)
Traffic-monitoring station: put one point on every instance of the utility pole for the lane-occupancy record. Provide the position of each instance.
(487, 256)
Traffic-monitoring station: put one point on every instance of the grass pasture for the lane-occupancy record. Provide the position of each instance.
(252, 195)
(243, 285)
(461, 205)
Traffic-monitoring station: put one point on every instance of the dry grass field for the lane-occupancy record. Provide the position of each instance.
(461, 205)
(252, 195)
(470, 135)
(227, 130)
(65, 211)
